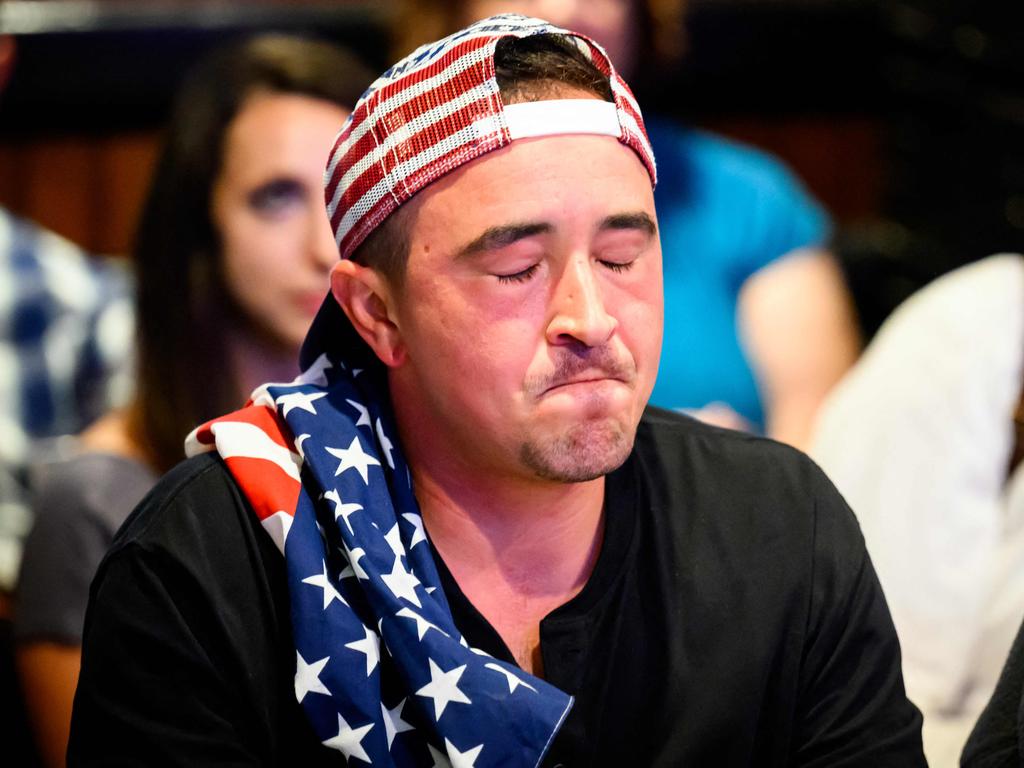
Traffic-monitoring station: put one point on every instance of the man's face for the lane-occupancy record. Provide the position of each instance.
(531, 312)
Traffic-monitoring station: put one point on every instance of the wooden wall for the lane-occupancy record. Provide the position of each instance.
(87, 188)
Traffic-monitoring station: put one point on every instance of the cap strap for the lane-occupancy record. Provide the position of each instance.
(530, 119)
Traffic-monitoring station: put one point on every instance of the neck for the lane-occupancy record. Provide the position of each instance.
(517, 553)
(486, 514)
(256, 360)
(540, 539)
(112, 433)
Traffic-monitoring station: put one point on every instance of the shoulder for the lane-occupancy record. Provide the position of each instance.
(676, 443)
(983, 296)
(744, 199)
(751, 509)
(194, 540)
(195, 499)
(949, 356)
(196, 527)
(943, 370)
(719, 485)
(732, 163)
(89, 488)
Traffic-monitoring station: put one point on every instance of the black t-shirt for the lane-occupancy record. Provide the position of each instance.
(997, 738)
(733, 618)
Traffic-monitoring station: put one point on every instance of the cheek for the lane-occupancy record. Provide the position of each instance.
(640, 317)
(255, 277)
(255, 264)
(472, 346)
(254, 249)
(644, 323)
(238, 236)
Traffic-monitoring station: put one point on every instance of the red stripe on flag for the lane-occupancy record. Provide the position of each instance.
(267, 487)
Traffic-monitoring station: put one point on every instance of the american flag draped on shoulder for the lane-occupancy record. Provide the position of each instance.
(382, 671)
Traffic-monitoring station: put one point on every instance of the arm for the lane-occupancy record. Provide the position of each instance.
(61, 554)
(798, 327)
(187, 655)
(151, 692)
(994, 741)
(49, 674)
(852, 708)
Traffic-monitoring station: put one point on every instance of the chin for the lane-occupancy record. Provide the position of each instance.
(584, 451)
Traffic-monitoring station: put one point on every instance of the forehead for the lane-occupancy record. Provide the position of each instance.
(280, 129)
(559, 180)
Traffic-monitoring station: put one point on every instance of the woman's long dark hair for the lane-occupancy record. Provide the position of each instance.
(184, 374)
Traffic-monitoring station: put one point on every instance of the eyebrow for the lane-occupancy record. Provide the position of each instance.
(496, 238)
(640, 220)
(499, 237)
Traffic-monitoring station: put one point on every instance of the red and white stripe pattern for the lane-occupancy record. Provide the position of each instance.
(260, 453)
(436, 109)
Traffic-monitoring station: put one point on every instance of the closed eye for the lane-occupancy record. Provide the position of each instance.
(616, 266)
(519, 277)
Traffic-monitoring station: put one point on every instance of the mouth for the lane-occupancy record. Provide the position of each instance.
(600, 373)
(586, 381)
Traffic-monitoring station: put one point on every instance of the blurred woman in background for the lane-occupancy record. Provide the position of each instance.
(232, 254)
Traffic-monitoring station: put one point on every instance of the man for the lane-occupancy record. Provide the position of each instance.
(493, 554)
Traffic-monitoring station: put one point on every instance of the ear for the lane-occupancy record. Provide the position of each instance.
(366, 297)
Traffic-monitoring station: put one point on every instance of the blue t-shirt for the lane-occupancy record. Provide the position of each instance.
(725, 210)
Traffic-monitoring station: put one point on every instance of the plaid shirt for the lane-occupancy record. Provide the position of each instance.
(65, 338)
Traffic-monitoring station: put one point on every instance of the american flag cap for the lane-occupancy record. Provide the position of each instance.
(435, 110)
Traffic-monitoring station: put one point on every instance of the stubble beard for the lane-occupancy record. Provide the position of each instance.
(583, 452)
(591, 447)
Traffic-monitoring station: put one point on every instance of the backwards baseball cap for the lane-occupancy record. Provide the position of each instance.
(435, 110)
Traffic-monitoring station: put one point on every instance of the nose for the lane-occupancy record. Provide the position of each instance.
(323, 249)
(578, 313)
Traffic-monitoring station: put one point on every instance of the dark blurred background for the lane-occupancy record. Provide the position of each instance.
(905, 117)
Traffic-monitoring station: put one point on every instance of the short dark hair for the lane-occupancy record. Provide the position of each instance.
(538, 67)
(182, 294)
(531, 68)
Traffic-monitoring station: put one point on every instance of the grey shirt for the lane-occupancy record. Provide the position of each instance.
(78, 505)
